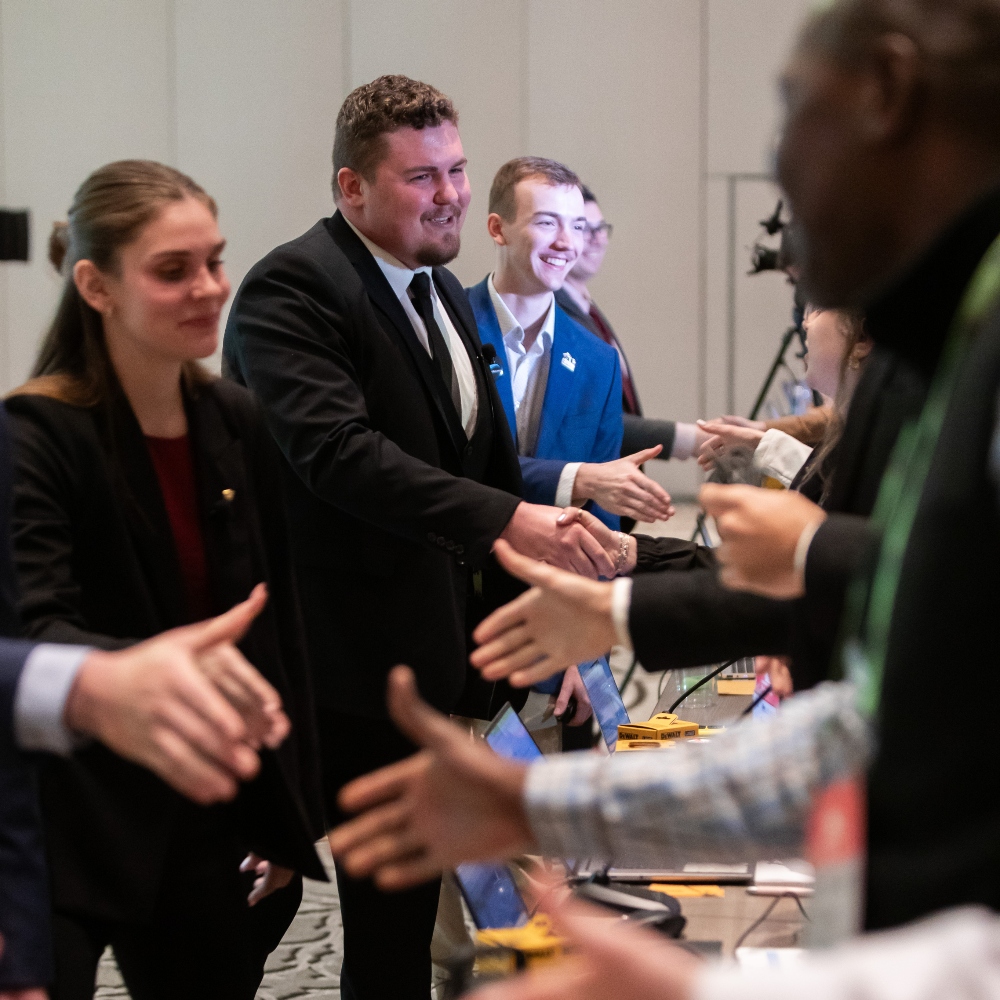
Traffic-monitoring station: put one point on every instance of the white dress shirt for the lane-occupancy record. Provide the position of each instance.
(529, 376)
(41, 694)
(399, 277)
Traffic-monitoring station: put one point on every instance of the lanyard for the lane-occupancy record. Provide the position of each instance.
(900, 493)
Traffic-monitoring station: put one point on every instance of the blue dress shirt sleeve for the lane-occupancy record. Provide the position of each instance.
(40, 699)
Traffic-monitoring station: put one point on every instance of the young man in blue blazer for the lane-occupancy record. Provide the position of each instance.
(559, 385)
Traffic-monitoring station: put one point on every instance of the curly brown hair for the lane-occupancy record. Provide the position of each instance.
(372, 111)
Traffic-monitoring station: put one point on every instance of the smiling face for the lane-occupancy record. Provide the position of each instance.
(825, 348)
(415, 204)
(540, 245)
(595, 244)
(165, 297)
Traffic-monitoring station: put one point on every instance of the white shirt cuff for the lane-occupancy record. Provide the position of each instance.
(685, 436)
(802, 547)
(780, 456)
(41, 695)
(567, 480)
(621, 602)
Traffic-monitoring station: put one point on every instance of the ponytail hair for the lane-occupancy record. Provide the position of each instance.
(109, 210)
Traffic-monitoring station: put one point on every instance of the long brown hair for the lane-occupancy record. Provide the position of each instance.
(851, 324)
(109, 210)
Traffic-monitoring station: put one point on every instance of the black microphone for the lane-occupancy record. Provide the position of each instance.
(490, 356)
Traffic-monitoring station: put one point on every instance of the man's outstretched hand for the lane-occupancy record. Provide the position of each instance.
(545, 534)
(760, 531)
(184, 704)
(621, 487)
(456, 800)
(563, 620)
(607, 961)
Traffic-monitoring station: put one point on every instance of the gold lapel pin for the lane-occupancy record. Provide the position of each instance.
(228, 495)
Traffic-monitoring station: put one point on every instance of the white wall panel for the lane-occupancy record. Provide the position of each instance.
(84, 82)
(614, 91)
(749, 41)
(259, 83)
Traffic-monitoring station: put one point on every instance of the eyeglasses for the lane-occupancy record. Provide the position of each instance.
(604, 229)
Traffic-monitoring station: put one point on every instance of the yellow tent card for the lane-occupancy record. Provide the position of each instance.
(664, 726)
(743, 687)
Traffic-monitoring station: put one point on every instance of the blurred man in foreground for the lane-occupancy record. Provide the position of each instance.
(891, 158)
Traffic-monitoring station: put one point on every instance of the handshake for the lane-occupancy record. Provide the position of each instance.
(184, 704)
(572, 539)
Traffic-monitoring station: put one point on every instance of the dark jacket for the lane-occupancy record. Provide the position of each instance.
(97, 565)
(934, 798)
(393, 509)
(24, 890)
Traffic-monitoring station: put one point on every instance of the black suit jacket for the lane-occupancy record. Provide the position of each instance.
(97, 565)
(392, 509)
(24, 897)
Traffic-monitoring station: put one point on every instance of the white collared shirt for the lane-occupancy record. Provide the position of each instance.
(399, 277)
(529, 369)
(529, 376)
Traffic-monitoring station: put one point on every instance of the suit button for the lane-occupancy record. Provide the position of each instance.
(431, 537)
(459, 550)
(442, 542)
(450, 546)
(468, 450)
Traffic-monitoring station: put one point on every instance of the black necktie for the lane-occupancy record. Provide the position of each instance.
(420, 287)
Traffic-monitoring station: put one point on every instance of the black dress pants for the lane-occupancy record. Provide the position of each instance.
(387, 936)
(201, 942)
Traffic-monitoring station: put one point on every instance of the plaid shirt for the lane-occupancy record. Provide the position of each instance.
(741, 796)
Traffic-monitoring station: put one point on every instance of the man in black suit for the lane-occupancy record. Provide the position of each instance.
(364, 352)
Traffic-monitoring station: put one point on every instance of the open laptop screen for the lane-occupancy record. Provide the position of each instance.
(604, 697)
(509, 737)
(491, 895)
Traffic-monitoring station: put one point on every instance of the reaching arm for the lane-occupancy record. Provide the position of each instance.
(742, 795)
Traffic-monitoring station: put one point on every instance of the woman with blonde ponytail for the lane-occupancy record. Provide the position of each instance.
(148, 495)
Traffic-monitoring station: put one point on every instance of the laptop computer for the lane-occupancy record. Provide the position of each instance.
(509, 736)
(492, 896)
(605, 699)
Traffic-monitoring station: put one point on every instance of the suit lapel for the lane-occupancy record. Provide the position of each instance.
(223, 494)
(489, 326)
(384, 299)
(560, 385)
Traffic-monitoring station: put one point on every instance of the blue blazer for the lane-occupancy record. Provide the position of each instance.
(582, 410)
(24, 891)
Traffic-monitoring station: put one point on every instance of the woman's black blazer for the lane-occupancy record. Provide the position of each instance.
(97, 565)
